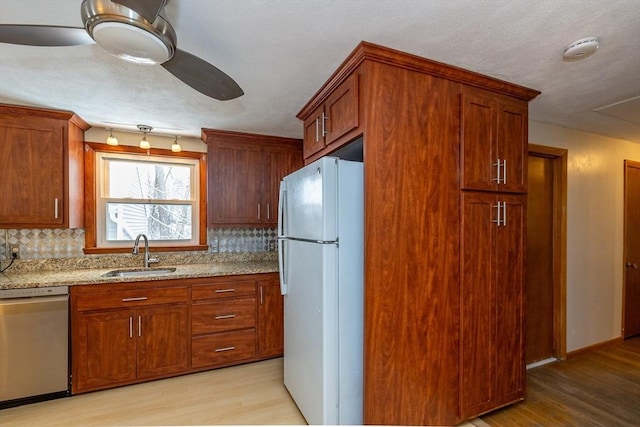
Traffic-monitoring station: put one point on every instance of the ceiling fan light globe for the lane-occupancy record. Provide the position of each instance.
(131, 43)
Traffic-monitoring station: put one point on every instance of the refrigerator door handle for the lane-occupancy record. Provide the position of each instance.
(283, 282)
(281, 203)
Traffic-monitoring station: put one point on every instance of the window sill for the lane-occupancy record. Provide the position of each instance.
(92, 251)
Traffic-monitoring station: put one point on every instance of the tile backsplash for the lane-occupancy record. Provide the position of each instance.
(68, 243)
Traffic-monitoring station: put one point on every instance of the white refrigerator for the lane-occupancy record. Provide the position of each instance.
(320, 245)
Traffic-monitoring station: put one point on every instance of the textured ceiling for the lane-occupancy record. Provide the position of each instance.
(282, 51)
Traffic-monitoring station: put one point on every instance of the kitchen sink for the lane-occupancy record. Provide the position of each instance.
(136, 272)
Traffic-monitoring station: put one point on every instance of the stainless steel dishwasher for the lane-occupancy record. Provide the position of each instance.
(34, 344)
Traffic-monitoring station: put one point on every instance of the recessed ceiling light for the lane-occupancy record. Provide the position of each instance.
(581, 49)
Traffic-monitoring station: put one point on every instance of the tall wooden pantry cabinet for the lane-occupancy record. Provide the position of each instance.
(444, 153)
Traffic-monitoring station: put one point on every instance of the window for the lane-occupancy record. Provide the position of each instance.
(153, 194)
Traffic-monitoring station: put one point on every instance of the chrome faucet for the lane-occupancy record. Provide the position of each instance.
(135, 251)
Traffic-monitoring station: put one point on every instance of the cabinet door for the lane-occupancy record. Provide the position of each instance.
(509, 291)
(105, 350)
(478, 153)
(162, 340)
(235, 174)
(492, 282)
(279, 162)
(313, 137)
(494, 142)
(270, 318)
(477, 338)
(32, 165)
(341, 110)
(512, 145)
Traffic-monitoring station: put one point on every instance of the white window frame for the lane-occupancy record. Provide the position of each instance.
(101, 183)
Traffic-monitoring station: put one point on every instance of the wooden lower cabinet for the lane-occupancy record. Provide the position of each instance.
(270, 318)
(121, 346)
(492, 372)
(116, 346)
(133, 332)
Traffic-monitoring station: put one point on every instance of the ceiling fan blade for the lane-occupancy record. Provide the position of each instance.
(148, 9)
(43, 35)
(202, 76)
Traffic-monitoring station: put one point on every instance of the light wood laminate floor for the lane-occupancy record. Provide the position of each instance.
(601, 388)
(245, 394)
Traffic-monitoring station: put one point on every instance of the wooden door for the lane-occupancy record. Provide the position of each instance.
(509, 372)
(477, 289)
(270, 318)
(512, 145)
(235, 192)
(32, 164)
(162, 340)
(105, 350)
(539, 333)
(478, 140)
(631, 321)
(279, 162)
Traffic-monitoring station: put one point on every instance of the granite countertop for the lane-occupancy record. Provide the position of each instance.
(80, 272)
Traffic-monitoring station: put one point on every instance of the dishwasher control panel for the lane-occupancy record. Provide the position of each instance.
(33, 292)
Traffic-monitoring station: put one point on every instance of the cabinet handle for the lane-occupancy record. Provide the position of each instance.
(139, 326)
(260, 295)
(317, 131)
(222, 291)
(504, 172)
(498, 207)
(225, 316)
(324, 125)
(55, 208)
(258, 210)
(130, 327)
(217, 350)
(504, 213)
(631, 265)
(134, 299)
(268, 211)
(498, 165)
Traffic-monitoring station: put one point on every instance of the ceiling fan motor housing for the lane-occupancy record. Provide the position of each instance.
(124, 33)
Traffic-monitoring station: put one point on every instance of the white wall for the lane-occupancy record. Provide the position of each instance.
(594, 230)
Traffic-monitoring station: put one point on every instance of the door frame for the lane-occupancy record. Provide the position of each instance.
(558, 157)
(627, 165)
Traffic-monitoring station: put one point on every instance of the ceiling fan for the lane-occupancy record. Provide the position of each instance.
(133, 30)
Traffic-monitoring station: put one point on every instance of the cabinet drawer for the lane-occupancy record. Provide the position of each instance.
(223, 347)
(131, 298)
(223, 315)
(224, 290)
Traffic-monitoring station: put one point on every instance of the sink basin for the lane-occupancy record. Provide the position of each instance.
(136, 272)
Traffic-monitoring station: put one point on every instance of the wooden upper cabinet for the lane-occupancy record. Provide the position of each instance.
(493, 142)
(41, 158)
(333, 122)
(244, 176)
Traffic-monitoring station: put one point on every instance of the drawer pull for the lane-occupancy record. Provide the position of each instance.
(134, 299)
(218, 350)
(225, 316)
(222, 291)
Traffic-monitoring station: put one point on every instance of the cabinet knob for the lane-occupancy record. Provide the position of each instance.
(631, 265)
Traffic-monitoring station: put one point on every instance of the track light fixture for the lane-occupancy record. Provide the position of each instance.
(175, 147)
(144, 144)
(112, 140)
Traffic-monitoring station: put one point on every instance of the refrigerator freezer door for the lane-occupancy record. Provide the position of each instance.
(309, 207)
(310, 330)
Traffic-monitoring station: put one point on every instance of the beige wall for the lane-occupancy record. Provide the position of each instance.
(594, 230)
